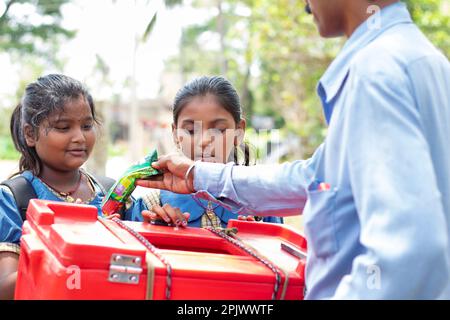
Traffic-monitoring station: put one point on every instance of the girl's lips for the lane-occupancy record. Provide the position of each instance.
(77, 153)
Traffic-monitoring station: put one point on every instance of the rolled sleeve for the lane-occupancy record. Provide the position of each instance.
(265, 190)
(9, 247)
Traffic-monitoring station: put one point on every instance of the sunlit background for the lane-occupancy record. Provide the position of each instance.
(135, 54)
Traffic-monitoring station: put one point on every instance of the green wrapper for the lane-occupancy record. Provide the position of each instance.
(121, 191)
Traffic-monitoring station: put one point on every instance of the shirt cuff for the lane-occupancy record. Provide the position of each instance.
(210, 177)
(9, 247)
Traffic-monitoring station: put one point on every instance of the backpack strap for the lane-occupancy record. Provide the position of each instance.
(22, 191)
(105, 183)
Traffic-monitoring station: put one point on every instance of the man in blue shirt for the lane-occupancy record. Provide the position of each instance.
(376, 194)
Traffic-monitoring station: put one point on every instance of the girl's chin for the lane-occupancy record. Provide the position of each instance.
(75, 164)
(206, 159)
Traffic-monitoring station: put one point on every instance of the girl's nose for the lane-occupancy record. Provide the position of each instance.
(206, 138)
(78, 135)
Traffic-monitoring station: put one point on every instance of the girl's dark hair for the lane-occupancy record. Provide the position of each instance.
(226, 96)
(46, 95)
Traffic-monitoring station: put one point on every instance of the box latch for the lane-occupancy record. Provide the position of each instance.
(125, 269)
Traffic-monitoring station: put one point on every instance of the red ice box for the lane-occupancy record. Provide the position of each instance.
(68, 252)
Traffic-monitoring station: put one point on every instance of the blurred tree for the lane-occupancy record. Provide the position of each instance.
(25, 25)
(291, 58)
(29, 31)
(433, 17)
(275, 57)
(220, 45)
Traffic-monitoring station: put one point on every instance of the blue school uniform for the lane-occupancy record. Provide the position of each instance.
(198, 207)
(11, 221)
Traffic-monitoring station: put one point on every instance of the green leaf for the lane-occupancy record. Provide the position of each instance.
(149, 28)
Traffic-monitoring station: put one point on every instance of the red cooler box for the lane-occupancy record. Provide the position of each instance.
(67, 252)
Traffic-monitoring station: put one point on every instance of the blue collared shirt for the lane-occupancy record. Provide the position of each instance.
(197, 207)
(381, 231)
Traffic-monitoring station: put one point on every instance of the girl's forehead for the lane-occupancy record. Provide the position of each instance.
(72, 109)
(204, 107)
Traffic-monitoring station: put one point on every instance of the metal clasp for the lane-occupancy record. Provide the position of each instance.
(125, 269)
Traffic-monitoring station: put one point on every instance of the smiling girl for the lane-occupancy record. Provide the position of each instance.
(54, 128)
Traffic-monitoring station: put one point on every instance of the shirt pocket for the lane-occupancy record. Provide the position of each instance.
(319, 223)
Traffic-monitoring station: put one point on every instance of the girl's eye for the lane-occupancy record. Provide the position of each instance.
(219, 130)
(188, 131)
(62, 128)
(88, 126)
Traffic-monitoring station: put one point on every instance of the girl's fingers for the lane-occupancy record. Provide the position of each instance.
(149, 215)
(162, 214)
(167, 213)
(175, 215)
(112, 216)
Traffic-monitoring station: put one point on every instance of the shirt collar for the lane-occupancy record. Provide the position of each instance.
(336, 74)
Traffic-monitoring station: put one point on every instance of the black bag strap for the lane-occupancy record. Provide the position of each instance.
(104, 182)
(22, 191)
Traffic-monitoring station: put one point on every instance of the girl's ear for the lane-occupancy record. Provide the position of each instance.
(30, 135)
(240, 132)
(175, 136)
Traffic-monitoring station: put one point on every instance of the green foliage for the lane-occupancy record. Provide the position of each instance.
(29, 30)
(7, 149)
(21, 31)
(281, 42)
(433, 17)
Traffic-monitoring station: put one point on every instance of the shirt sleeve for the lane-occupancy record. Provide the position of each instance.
(402, 221)
(265, 190)
(10, 220)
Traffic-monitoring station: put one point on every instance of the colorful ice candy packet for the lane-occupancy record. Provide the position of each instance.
(121, 191)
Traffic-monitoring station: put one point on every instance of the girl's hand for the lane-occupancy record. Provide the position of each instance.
(174, 167)
(112, 216)
(172, 216)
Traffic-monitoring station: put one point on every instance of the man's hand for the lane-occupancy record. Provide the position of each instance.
(174, 167)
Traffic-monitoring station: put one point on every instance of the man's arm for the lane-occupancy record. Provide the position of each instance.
(259, 190)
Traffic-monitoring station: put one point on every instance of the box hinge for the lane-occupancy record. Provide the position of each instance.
(125, 269)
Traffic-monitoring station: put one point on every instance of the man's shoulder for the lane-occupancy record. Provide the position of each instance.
(391, 54)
